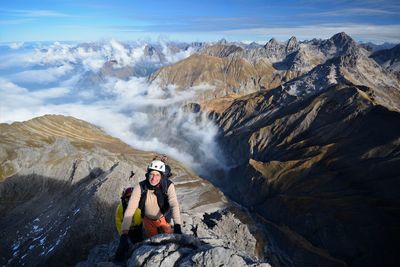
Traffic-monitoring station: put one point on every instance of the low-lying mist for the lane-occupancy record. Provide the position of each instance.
(104, 85)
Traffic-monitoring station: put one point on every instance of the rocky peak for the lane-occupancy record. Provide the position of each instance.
(343, 44)
(271, 43)
(341, 38)
(221, 50)
(253, 45)
(149, 50)
(223, 41)
(292, 45)
(275, 51)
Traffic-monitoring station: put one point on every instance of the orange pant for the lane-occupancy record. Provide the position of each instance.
(154, 227)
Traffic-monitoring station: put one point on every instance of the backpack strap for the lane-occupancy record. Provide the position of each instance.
(162, 196)
(143, 194)
(124, 200)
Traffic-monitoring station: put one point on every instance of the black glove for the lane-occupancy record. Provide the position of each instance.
(122, 248)
(177, 229)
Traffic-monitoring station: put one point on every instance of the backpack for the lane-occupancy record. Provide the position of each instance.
(126, 195)
(161, 192)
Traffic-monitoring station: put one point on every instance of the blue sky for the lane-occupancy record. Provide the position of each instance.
(62, 20)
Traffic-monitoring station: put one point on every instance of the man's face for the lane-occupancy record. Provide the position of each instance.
(154, 178)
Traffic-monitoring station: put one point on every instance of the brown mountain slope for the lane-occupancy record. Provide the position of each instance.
(218, 77)
(226, 74)
(323, 167)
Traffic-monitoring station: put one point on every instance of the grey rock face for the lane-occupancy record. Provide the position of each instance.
(173, 250)
(223, 228)
(209, 239)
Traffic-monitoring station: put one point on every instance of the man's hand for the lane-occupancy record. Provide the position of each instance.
(177, 229)
(122, 248)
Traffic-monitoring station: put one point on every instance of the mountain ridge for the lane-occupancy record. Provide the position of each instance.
(294, 157)
(59, 200)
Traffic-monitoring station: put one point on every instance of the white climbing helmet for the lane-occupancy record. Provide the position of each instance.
(157, 165)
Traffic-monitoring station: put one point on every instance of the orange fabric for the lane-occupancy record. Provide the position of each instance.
(152, 227)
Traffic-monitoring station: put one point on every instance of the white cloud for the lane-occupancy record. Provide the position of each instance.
(14, 96)
(50, 93)
(16, 45)
(351, 12)
(43, 75)
(16, 102)
(128, 109)
(121, 54)
(15, 21)
(172, 56)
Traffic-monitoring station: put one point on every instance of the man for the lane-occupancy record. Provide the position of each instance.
(155, 197)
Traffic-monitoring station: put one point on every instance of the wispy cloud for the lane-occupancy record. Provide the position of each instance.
(15, 21)
(47, 75)
(35, 13)
(364, 32)
(50, 93)
(352, 12)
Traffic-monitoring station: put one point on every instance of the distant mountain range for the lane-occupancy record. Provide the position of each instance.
(315, 146)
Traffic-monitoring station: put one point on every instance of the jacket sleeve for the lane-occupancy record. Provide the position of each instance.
(173, 203)
(132, 206)
(119, 216)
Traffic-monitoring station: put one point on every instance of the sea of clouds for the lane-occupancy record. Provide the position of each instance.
(107, 84)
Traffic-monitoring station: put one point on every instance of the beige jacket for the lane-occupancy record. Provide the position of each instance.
(152, 210)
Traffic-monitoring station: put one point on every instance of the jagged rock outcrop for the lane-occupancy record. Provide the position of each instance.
(61, 182)
(212, 243)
